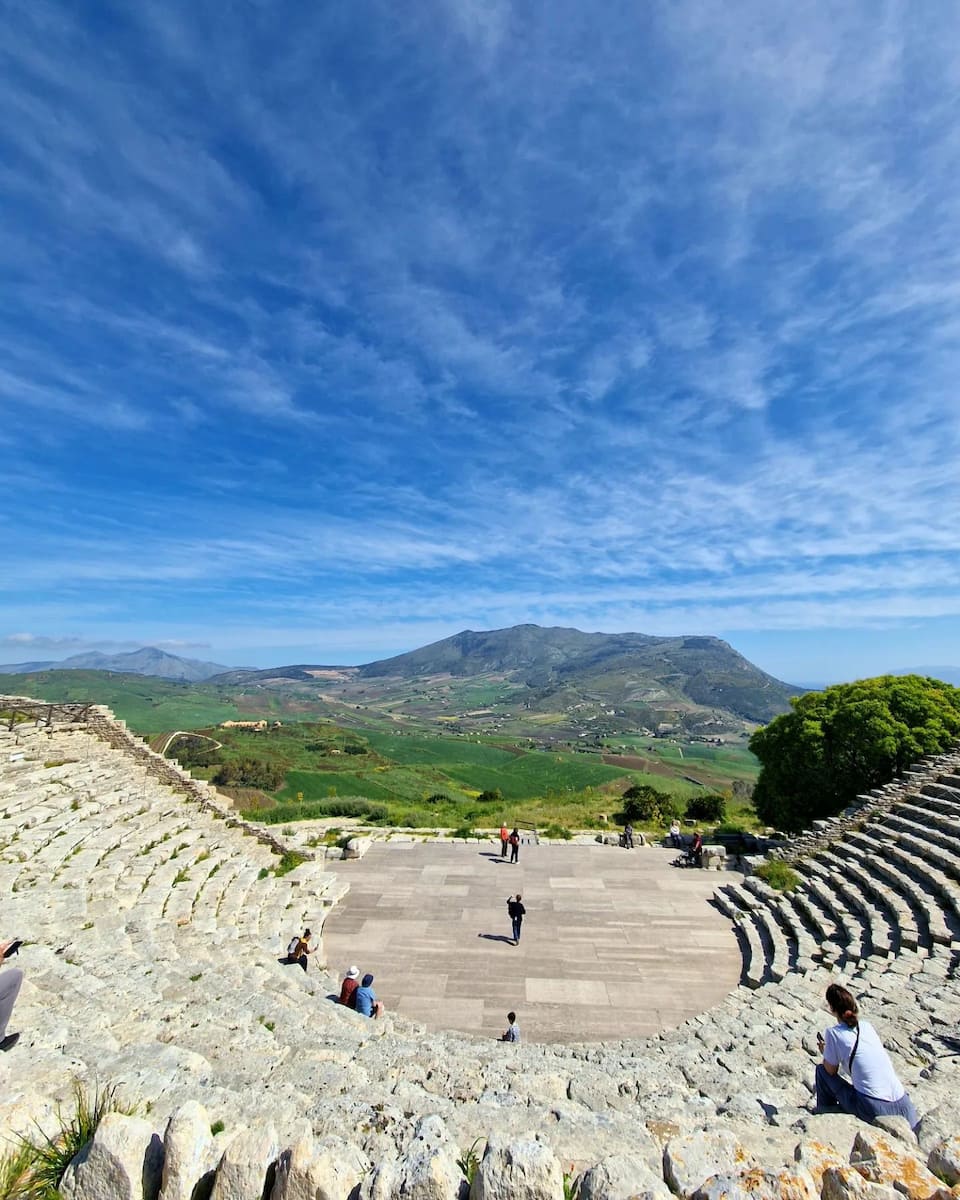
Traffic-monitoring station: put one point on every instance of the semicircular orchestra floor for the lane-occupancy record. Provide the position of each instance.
(615, 944)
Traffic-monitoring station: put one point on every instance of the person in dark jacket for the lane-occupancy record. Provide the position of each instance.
(517, 913)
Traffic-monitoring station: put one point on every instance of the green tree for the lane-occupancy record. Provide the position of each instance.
(643, 804)
(712, 807)
(836, 744)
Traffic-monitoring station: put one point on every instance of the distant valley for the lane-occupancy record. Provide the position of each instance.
(522, 712)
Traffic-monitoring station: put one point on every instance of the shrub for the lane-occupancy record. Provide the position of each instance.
(491, 796)
(251, 772)
(346, 806)
(438, 798)
(464, 831)
(558, 833)
(670, 810)
(416, 818)
(778, 875)
(712, 807)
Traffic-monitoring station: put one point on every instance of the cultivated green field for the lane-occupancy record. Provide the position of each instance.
(147, 704)
(419, 777)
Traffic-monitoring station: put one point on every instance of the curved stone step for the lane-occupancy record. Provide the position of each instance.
(944, 894)
(901, 894)
(875, 903)
(775, 951)
(912, 820)
(852, 929)
(752, 950)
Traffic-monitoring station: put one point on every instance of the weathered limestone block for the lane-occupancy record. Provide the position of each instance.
(897, 1127)
(357, 847)
(880, 1160)
(944, 1159)
(816, 1158)
(427, 1171)
(846, 1183)
(526, 1170)
(757, 1184)
(243, 1168)
(690, 1160)
(188, 1151)
(124, 1161)
(621, 1177)
(938, 1123)
(714, 858)
(325, 1170)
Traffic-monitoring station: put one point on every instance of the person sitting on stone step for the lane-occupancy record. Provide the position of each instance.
(512, 1033)
(299, 949)
(854, 1045)
(348, 989)
(10, 981)
(367, 1003)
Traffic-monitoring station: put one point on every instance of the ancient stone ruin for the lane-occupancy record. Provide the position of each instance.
(151, 913)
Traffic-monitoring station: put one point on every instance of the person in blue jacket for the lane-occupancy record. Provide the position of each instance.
(366, 1001)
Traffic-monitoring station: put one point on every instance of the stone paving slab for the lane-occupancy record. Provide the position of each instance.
(616, 943)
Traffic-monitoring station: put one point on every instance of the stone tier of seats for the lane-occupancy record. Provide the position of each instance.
(154, 926)
(883, 892)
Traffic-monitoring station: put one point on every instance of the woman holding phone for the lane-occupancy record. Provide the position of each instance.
(874, 1089)
(10, 981)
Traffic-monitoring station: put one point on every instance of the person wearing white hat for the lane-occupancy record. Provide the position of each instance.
(348, 989)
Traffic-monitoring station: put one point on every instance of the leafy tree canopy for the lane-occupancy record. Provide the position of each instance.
(847, 739)
(711, 807)
(643, 804)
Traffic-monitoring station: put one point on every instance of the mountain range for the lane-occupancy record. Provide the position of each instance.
(556, 667)
(146, 661)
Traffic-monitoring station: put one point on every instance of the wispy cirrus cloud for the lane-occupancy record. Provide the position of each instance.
(606, 317)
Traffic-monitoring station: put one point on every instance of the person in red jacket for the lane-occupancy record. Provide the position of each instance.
(348, 989)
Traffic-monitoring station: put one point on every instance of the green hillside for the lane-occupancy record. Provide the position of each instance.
(148, 704)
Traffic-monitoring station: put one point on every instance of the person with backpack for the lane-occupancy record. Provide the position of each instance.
(516, 912)
(855, 1047)
(515, 846)
(298, 949)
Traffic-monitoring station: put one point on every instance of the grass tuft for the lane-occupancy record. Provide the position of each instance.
(35, 1168)
(289, 861)
(778, 875)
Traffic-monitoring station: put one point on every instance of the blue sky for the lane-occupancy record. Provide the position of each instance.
(332, 329)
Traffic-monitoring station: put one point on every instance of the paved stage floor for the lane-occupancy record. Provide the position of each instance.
(616, 943)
